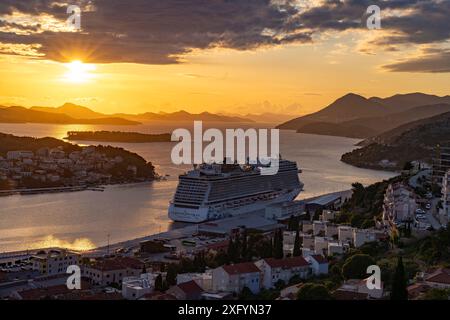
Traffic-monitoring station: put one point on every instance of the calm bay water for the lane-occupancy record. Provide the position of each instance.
(84, 219)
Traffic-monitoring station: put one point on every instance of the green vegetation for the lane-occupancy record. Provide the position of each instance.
(313, 291)
(365, 204)
(355, 267)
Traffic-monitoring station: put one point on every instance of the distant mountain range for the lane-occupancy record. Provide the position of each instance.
(70, 113)
(408, 142)
(357, 117)
(24, 115)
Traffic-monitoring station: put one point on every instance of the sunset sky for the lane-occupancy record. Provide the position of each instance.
(229, 56)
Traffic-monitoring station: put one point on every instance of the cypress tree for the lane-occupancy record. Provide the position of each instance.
(244, 251)
(171, 277)
(278, 245)
(159, 286)
(297, 248)
(399, 291)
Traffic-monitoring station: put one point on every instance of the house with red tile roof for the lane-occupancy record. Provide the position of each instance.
(275, 270)
(186, 291)
(235, 277)
(439, 279)
(319, 264)
(108, 271)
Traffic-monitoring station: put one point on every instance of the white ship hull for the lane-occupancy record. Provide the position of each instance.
(206, 213)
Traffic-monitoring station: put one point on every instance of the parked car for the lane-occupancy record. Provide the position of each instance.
(428, 206)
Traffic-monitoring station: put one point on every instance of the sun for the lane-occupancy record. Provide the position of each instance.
(79, 72)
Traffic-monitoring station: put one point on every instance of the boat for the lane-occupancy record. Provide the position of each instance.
(217, 191)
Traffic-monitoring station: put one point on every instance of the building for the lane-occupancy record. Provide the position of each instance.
(319, 227)
(134, 288)
(345, 233)
(441, 162)
(235, 277)
(326, 202)
(362, 236)
(307, 226)
(439, 279)
(445, 212)
(204, 280)
(319, 264)
(284, 209)
(19, 154)
(186, 291)
(331, 230)
(52, 262)
(275, 270)
(399, 203)
(110, 271)
(357, 289)
(328, 215)
(336, 248)
(308, 241)
(321, 245)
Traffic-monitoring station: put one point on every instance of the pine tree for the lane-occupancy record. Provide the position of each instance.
(297, 247)
(399, 291)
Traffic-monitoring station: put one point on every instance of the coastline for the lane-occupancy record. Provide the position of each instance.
(182, 231)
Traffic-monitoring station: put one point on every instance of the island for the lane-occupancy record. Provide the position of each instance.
(117, 136)
(50, 164)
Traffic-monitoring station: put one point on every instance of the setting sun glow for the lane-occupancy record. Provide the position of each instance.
(79, 72)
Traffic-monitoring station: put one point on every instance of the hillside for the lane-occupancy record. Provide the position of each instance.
(368, 116)
(72, 110)
(182, 116)
(346, 108)
(354, 131)
(24, 115)
(393, 149)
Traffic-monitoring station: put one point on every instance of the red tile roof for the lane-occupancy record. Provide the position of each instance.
(158, 296)
(43, 293)
(287, 263)
(319, 258)
(349, 295)
(416, 289)
(439, 276)
(190, 288)
(241, 268)
(117, 263)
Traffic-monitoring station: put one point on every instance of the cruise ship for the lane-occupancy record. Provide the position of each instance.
(216, 191)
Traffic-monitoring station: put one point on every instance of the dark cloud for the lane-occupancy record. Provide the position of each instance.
(146, 31)
(431, 63)
(161, 31)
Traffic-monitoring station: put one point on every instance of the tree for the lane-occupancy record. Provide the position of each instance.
(244, 250)
(159, 286)
(171, 277)
(144, 269)
(313, 291)
(278, 244)
(355, 267)
(297, 245)
(293, 223)
(399, 291)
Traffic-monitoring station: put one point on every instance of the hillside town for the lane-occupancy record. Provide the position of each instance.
(291, 251)
(56, 169)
